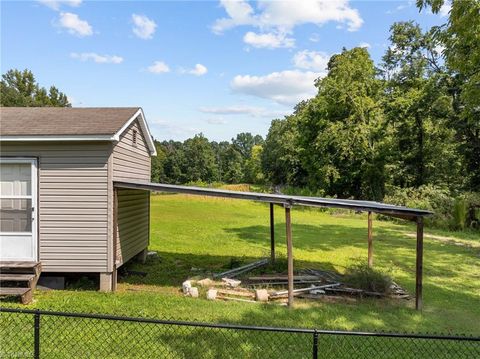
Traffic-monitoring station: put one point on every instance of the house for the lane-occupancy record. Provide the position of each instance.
(58, 204)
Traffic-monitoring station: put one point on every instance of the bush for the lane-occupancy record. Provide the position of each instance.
(450, 211)
(361, 276)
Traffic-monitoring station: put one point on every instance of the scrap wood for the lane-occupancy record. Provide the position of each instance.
(236, 292)
(236, 271)
(327, 298)
(236, 299)
(284, 283)
(355, 291)
(268, 277)
(303, 290)
(206, 282)
(232, 283)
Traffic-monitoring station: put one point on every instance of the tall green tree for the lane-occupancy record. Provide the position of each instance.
(233, 165)
(341, 136)
(19, 88)
(244, 143)
(280, 154)
(253, 166)
(419, 110)
(461, 39)
(199, 160)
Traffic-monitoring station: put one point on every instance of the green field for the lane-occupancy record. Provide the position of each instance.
(195, 236)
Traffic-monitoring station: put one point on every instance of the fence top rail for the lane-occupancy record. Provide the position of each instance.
(237, 326)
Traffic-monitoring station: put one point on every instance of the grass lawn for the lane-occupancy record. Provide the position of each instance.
(196, 235)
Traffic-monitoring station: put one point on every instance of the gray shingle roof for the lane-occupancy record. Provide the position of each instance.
(63, 121)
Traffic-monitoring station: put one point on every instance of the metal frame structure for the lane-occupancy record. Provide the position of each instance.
(287, 201)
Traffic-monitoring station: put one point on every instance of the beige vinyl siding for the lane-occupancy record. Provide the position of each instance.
(72, 202)
(131, 162)
(132, 223)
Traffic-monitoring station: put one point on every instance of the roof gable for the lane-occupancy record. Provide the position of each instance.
(70, 124)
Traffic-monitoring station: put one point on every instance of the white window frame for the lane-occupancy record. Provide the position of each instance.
(33, 197)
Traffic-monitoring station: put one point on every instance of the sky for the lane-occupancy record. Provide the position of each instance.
(212, 67)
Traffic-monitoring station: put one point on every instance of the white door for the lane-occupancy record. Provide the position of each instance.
(18, 201)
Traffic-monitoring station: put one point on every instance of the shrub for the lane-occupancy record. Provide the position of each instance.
(360, 275)
(450, 211)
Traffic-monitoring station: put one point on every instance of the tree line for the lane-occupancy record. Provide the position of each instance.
(199, 160)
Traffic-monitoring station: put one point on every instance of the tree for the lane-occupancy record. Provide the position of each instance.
(158, 161)
(244, 143)
(253, 166)
(340, 130)
(419, 109)
(280, 155)
(174, 163)
(461, 40)
(19, 88)
(200, 163)
(233, 171)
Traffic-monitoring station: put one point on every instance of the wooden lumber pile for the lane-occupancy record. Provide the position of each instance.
(312, 284)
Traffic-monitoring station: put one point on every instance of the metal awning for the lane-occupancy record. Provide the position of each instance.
(412, 214)
(354, 205)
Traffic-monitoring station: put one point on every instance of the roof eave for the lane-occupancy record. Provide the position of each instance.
(57, 138)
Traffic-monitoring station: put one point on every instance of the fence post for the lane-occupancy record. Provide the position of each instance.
(315, 344)
(36, 328)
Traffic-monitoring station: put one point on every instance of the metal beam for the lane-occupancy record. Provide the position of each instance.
(419, 269)
(288, 225)
(370, 240)
(272, 233)
(286, 200)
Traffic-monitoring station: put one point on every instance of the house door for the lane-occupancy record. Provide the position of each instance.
(18, 212)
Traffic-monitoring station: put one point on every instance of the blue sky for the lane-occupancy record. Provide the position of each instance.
(219, 68)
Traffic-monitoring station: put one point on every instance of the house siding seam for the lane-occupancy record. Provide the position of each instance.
(72, 203)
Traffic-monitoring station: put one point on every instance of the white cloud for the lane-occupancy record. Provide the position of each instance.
(239, 12)
(445, 9)
(232, 110)
(242, 110)
(217, 121)
(143, 27)
(158, 67)
(99, 59)
(198, 70)
(74, 24)
(56, 4)
(401, 7)
(311, 60)
(314, 37)
(269, 40)
(283, 16)
(170, 128)
(286, 87)
(365, 45)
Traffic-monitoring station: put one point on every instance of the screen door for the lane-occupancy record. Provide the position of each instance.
(18, 200)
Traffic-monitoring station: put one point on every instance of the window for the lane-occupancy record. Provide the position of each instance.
(134, 138)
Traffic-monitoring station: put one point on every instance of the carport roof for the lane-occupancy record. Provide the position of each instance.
(355, 205)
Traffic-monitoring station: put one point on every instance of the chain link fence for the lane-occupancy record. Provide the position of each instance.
(43, 334)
